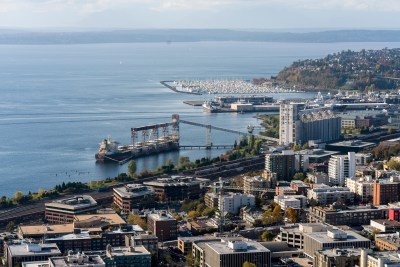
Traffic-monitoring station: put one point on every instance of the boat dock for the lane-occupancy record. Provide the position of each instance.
(193, 103)
(174, 88)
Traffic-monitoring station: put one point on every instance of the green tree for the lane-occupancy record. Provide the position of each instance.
(277, 214)
(393, 165)
(248, 264)
(305, 146)
(243, 142)
(296, 147)
(192, 214)
(189, 259)
(41, 192)
(298, 176)
(267, 236)
(183, 161)
(136, 219)
(251, 142)
(209, 212)
(10, 226)
(18, 196)
(132, 168)
(292, 215)
(312, 202)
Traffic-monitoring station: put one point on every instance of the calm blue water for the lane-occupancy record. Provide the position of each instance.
(58, 102)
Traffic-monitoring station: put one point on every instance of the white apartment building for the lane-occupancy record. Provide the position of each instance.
(363, 187)
(341, 167)
(232, 202)
(289, 123)
(292, 201)
(329, 195)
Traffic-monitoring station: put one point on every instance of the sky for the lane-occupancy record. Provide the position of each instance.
(232, 14)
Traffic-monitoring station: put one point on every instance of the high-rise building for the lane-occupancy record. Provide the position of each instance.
(341, 167)
(289, 122)
(299, 125)
(282, 164)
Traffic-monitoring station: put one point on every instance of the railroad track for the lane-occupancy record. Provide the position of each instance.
(219, 169)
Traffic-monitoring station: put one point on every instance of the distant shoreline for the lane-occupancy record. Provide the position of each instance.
(32, 37)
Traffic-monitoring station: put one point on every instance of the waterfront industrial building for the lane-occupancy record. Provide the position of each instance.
(299, 125)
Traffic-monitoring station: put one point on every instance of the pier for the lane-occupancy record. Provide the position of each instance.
(191, 147)
(173, 88)
(163, 137)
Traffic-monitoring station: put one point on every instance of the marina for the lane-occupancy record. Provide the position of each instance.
(199, 87)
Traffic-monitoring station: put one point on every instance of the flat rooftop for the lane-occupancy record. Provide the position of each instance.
(72, 260)
(31, 249)
(176, 180)
(162, 216)
(341, 252)
(31, 230)
(317, 153)
(133, 190)
(110, 218)
(129, 251)
(392, 239)
(353, 208)
(322, 237)
(223, 248)
(36, 264)
(387, 223)
(389, 257)
(353, 143)
(73, 203)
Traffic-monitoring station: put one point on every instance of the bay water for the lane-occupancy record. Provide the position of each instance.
(57, 102)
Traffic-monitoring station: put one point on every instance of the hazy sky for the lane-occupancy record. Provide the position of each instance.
(263, 14)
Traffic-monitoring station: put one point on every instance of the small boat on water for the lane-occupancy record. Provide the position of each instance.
(209, 106)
